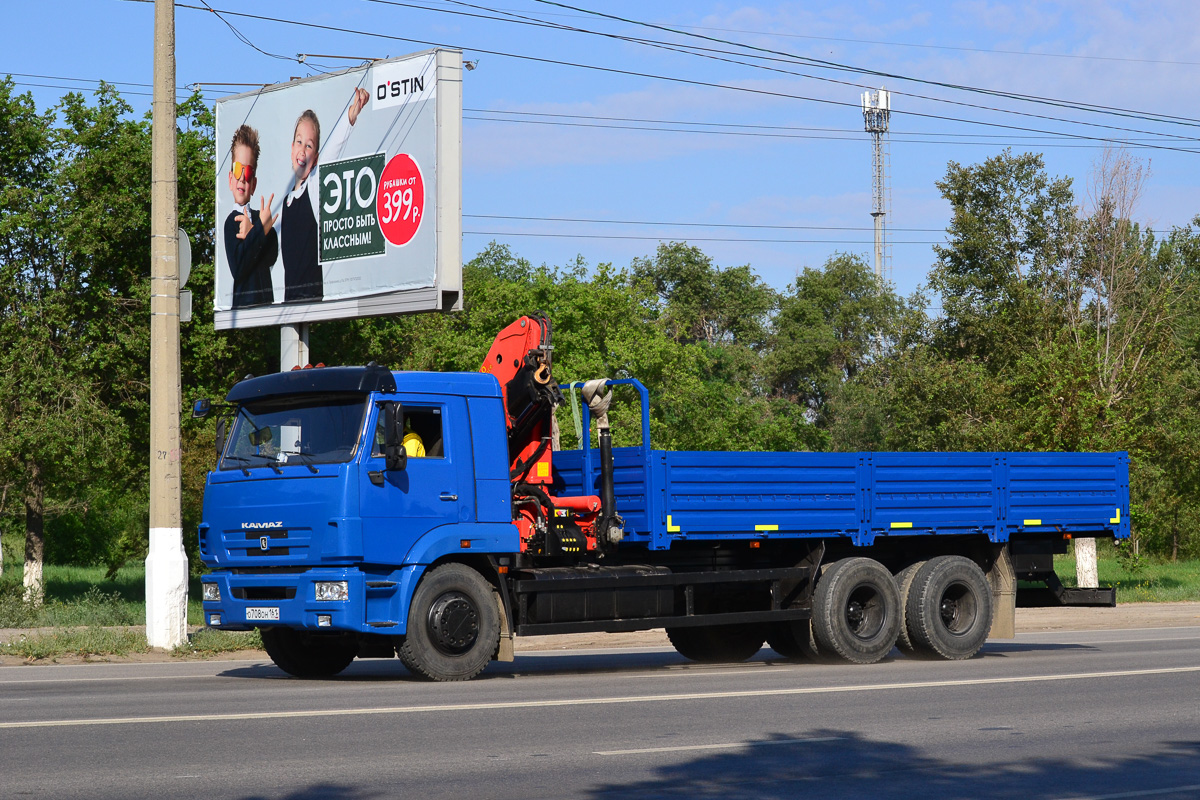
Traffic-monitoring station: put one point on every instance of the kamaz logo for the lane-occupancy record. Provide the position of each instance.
(256, 525)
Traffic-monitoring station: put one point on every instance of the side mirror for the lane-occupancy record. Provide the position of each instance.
(201, 408)
(394, 455)
(221, 436)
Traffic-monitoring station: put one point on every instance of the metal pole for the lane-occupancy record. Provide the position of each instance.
(166, 565)
(293, 346)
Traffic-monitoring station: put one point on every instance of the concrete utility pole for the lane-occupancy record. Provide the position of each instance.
(293, 346)
(166, 565)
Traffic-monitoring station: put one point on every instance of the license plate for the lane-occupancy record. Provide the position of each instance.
(262, 612)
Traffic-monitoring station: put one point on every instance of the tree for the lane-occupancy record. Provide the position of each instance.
(700, 302)
(1000, 275)
(831, 324)
(56, 429)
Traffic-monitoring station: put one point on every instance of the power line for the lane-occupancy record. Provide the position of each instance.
(1126, 143)
(673, 238)
(865, 71)
(695, 224)
(668, 78)
(886, 43)
(703, 52)
(748, 125)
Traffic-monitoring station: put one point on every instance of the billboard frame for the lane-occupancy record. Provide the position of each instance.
(446, 292)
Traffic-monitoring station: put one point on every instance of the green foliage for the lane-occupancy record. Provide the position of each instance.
(1153, 581)
(78, 642)
(208, 642)
(832, 323)
(1000, 273)
(1058, 330)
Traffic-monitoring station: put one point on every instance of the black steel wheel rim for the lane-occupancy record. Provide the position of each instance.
(453, 623)
(958, 609)
(865, 612)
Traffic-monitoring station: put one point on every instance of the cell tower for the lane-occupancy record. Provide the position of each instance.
(877, 110)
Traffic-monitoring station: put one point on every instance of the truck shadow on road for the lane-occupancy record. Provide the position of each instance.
(545, 663)
(849, 766)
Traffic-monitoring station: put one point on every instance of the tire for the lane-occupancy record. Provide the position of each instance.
(949, 608)
(904, 579)
(306, 655)
(793, 639)
(717, 644)
(453, 625)
(856, 611)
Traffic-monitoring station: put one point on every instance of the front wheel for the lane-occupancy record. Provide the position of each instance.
(453, 625)
(793, 639)
(716, 644)
(856, 611)
(307, 655)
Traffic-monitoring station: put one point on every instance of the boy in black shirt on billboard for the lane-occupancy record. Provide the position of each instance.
(251, 243)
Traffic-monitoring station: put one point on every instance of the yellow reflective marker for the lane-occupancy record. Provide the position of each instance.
(1117, 519)
(1033, 522)
(671, 528)
(766, 527)
(901, 524)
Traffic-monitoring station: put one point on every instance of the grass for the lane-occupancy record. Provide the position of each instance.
(1152, 582)
(83, 596)
(77, 642)
(209, 642)
(93, 615)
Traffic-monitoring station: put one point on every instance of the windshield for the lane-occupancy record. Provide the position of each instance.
(305, 429)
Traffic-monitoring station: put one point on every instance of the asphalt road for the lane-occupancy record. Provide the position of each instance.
(1104, 715)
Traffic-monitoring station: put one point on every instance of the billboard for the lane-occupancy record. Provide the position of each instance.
(341, 196)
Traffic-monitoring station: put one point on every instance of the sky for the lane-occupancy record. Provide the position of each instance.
(734, 126)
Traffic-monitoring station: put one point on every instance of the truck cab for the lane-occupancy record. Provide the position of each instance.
(306, 527)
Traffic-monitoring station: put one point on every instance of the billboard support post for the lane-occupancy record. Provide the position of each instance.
(166, 564)
(293, 346)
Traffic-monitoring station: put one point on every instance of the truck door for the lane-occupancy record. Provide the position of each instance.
(436, 488)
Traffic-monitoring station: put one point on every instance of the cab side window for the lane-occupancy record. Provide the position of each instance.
(422, 433)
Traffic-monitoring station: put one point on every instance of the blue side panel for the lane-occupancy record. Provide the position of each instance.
(667, 497)
(933, 492)
(748, 495)
(1069, 492)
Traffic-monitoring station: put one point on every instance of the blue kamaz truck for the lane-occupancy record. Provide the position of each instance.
(357, 512)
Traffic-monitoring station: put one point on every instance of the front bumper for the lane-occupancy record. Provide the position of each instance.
(376, 603)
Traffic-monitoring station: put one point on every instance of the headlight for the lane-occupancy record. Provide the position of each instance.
(333, 590)
(212, 592)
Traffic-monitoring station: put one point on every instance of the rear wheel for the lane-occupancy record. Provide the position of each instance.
(715, 644)
(453, 625)
(904, 580)
(307, 655)
(793, 639)
(856, 611)
(949, 608)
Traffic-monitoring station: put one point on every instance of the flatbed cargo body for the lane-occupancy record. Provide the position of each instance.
(668, 497)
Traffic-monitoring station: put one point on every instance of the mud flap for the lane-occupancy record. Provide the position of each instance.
(504, 652)
(1003, 580)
